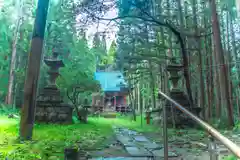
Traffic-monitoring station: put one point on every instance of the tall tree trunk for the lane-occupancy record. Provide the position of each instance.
(209, 108)
(32, 74)
(186, 59)
(218, 100)
(152, 84)
(211, 75)
(9, 97)
(138, 96)
(170, 38)
(228, 58)
(202, 94)
(161, 40)
(224, 86)
(186, 16)
(234, 55)
(182, 26)
(208, 68)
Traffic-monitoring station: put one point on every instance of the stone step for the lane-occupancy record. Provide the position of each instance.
(138, 152)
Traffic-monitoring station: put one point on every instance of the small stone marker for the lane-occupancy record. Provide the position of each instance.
(152, 146)
(126, 141)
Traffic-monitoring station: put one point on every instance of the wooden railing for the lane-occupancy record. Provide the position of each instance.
(234, 148)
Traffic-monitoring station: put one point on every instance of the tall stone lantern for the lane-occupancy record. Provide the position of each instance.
(177, 117)
(50, 106)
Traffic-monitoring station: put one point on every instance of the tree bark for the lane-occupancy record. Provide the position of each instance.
(228, 58)
(224, 86)
(234, 55)
(152, 84)
(198, 40)
(32, 74)
(218, 100)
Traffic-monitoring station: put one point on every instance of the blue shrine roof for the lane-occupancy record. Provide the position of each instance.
(110, 81)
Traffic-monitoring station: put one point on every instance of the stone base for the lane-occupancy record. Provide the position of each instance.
(181, 119)
(57, 113)
(50, 94)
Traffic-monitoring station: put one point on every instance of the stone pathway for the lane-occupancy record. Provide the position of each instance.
(137, 146)
(131, 145)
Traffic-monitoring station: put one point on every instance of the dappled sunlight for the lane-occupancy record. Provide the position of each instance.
(8, 126)
(8, 134)
(4, 120)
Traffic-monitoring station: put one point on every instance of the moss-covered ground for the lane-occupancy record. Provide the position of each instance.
(49, 141)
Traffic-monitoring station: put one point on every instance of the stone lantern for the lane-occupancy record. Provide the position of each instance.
(177, 117)
(50, 107)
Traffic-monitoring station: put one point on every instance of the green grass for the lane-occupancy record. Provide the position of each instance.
(231, 157)
(49, 141)
(124, 121)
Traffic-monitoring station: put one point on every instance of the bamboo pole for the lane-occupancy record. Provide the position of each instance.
(225, 141)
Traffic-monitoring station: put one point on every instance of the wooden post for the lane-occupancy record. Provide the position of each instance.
(115, 101)
(124, 100)
(165, 134)
(32, 73)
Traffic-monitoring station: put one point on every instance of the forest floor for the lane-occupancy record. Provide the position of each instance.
(103, 138)
(49, 141)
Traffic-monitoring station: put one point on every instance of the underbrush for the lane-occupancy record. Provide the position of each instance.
(49, 141)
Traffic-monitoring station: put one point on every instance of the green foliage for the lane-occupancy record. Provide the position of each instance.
(5, 39)
(79, 59)
(112, 53)
(60, 26)
(231, 158)
(79, 70)
(106, 58)
(99, 50)
(9, 15)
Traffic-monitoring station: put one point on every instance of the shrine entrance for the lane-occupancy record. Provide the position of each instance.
(110, 101)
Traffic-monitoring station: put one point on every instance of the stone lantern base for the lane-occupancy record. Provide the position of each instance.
(51, 109)
(181, 119)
